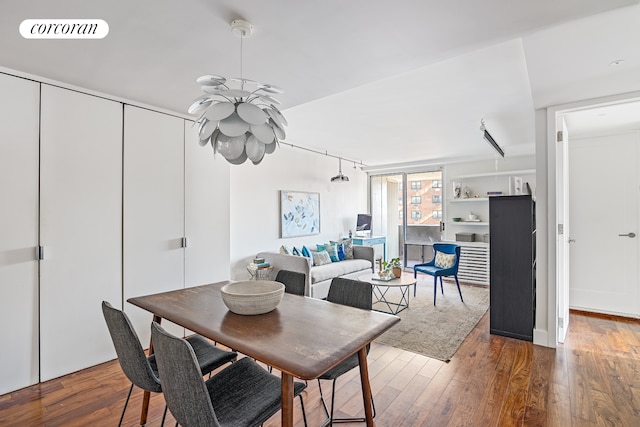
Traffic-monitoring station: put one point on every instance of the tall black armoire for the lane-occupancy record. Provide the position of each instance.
(513, 266)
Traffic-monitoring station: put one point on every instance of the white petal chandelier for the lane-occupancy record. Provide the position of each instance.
(243, 122)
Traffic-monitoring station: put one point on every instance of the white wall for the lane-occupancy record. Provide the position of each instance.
(255, 202)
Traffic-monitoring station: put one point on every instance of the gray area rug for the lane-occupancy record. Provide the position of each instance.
(438, 331)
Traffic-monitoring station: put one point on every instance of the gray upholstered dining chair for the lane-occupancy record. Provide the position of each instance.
(242, 394)
(293, 281)
(141, 369)
(355, 294)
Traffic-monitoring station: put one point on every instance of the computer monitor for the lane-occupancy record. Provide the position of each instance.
(363, 225)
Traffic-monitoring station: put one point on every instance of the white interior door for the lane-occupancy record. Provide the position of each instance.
(81, 228)
(153, 210)
(19, 108)
(605, 183)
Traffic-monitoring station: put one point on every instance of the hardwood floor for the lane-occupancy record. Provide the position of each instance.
(591, 380)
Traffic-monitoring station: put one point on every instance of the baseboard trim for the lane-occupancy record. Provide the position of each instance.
(541, 337)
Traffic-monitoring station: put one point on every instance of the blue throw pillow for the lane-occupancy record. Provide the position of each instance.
(305, 252)
(341, 255)
(296, 252)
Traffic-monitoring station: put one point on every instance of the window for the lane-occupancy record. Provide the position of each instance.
(416, 185)
(436, 214)
(416, 215)
(416, 200)
(436, 198)
(436, 183)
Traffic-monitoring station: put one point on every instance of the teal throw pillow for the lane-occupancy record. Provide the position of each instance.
(342, 255)
(307, 253)
(332, 250)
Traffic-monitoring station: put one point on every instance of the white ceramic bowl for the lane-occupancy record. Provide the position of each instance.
(252, 296)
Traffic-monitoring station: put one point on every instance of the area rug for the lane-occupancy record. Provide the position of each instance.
(438, 331)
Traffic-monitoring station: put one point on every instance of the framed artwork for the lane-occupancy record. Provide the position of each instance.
(299, 213)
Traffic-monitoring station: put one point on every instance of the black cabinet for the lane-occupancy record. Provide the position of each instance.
(513, 266)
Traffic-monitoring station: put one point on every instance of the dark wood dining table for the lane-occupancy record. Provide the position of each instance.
(303, 337)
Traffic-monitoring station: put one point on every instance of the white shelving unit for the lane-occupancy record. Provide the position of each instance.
(474, 259)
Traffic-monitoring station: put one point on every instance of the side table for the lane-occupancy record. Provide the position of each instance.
(260, 273)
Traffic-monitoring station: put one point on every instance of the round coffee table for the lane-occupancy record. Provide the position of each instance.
(381, 287)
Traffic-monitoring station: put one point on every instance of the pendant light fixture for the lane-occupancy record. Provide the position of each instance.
(340, 177)
(240, 123)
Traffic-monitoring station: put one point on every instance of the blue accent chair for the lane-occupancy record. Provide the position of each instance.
(431, 269)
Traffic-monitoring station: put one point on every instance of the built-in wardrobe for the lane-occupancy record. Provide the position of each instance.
(101, 200)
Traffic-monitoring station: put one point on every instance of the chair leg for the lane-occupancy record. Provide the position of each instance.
(126, 402)
(329, 413)
(415, 285)
(435, 288)
(304, 414)
(441, 288)
(459, 291)
(164, 415)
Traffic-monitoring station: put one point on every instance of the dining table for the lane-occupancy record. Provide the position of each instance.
(302, 338)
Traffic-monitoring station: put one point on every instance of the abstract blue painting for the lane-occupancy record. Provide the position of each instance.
(299, 213)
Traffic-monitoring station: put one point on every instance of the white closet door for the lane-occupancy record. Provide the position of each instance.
(81, 228)
(207, 212)
(153, 209)
(19, 108)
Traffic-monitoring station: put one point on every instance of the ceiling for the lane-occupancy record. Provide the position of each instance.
(378, 82)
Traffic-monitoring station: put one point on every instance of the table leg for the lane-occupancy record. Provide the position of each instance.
(287, 400)
(147, 395)
(366, 387)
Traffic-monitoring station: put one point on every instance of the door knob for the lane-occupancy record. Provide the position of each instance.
(630, 235)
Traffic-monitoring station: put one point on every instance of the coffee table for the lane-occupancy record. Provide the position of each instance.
(381, 287)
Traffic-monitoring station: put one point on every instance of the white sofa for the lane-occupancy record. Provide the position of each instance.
(319, 277)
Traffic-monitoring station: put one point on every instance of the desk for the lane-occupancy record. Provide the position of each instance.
(372, 241)
(303, 337)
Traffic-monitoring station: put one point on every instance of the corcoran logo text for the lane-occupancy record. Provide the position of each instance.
(64, 29)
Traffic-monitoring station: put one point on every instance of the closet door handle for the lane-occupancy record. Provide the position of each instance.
(40, 253)
(629, 235)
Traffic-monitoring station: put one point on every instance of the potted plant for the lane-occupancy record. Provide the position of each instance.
(394, 265)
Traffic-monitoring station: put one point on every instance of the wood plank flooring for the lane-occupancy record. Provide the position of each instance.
(591, 380)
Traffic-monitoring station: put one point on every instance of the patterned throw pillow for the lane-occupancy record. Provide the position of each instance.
(285, 250)
(332, 250)
(296, 252)
(445, 260)
(321, 258)
(348, 248)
